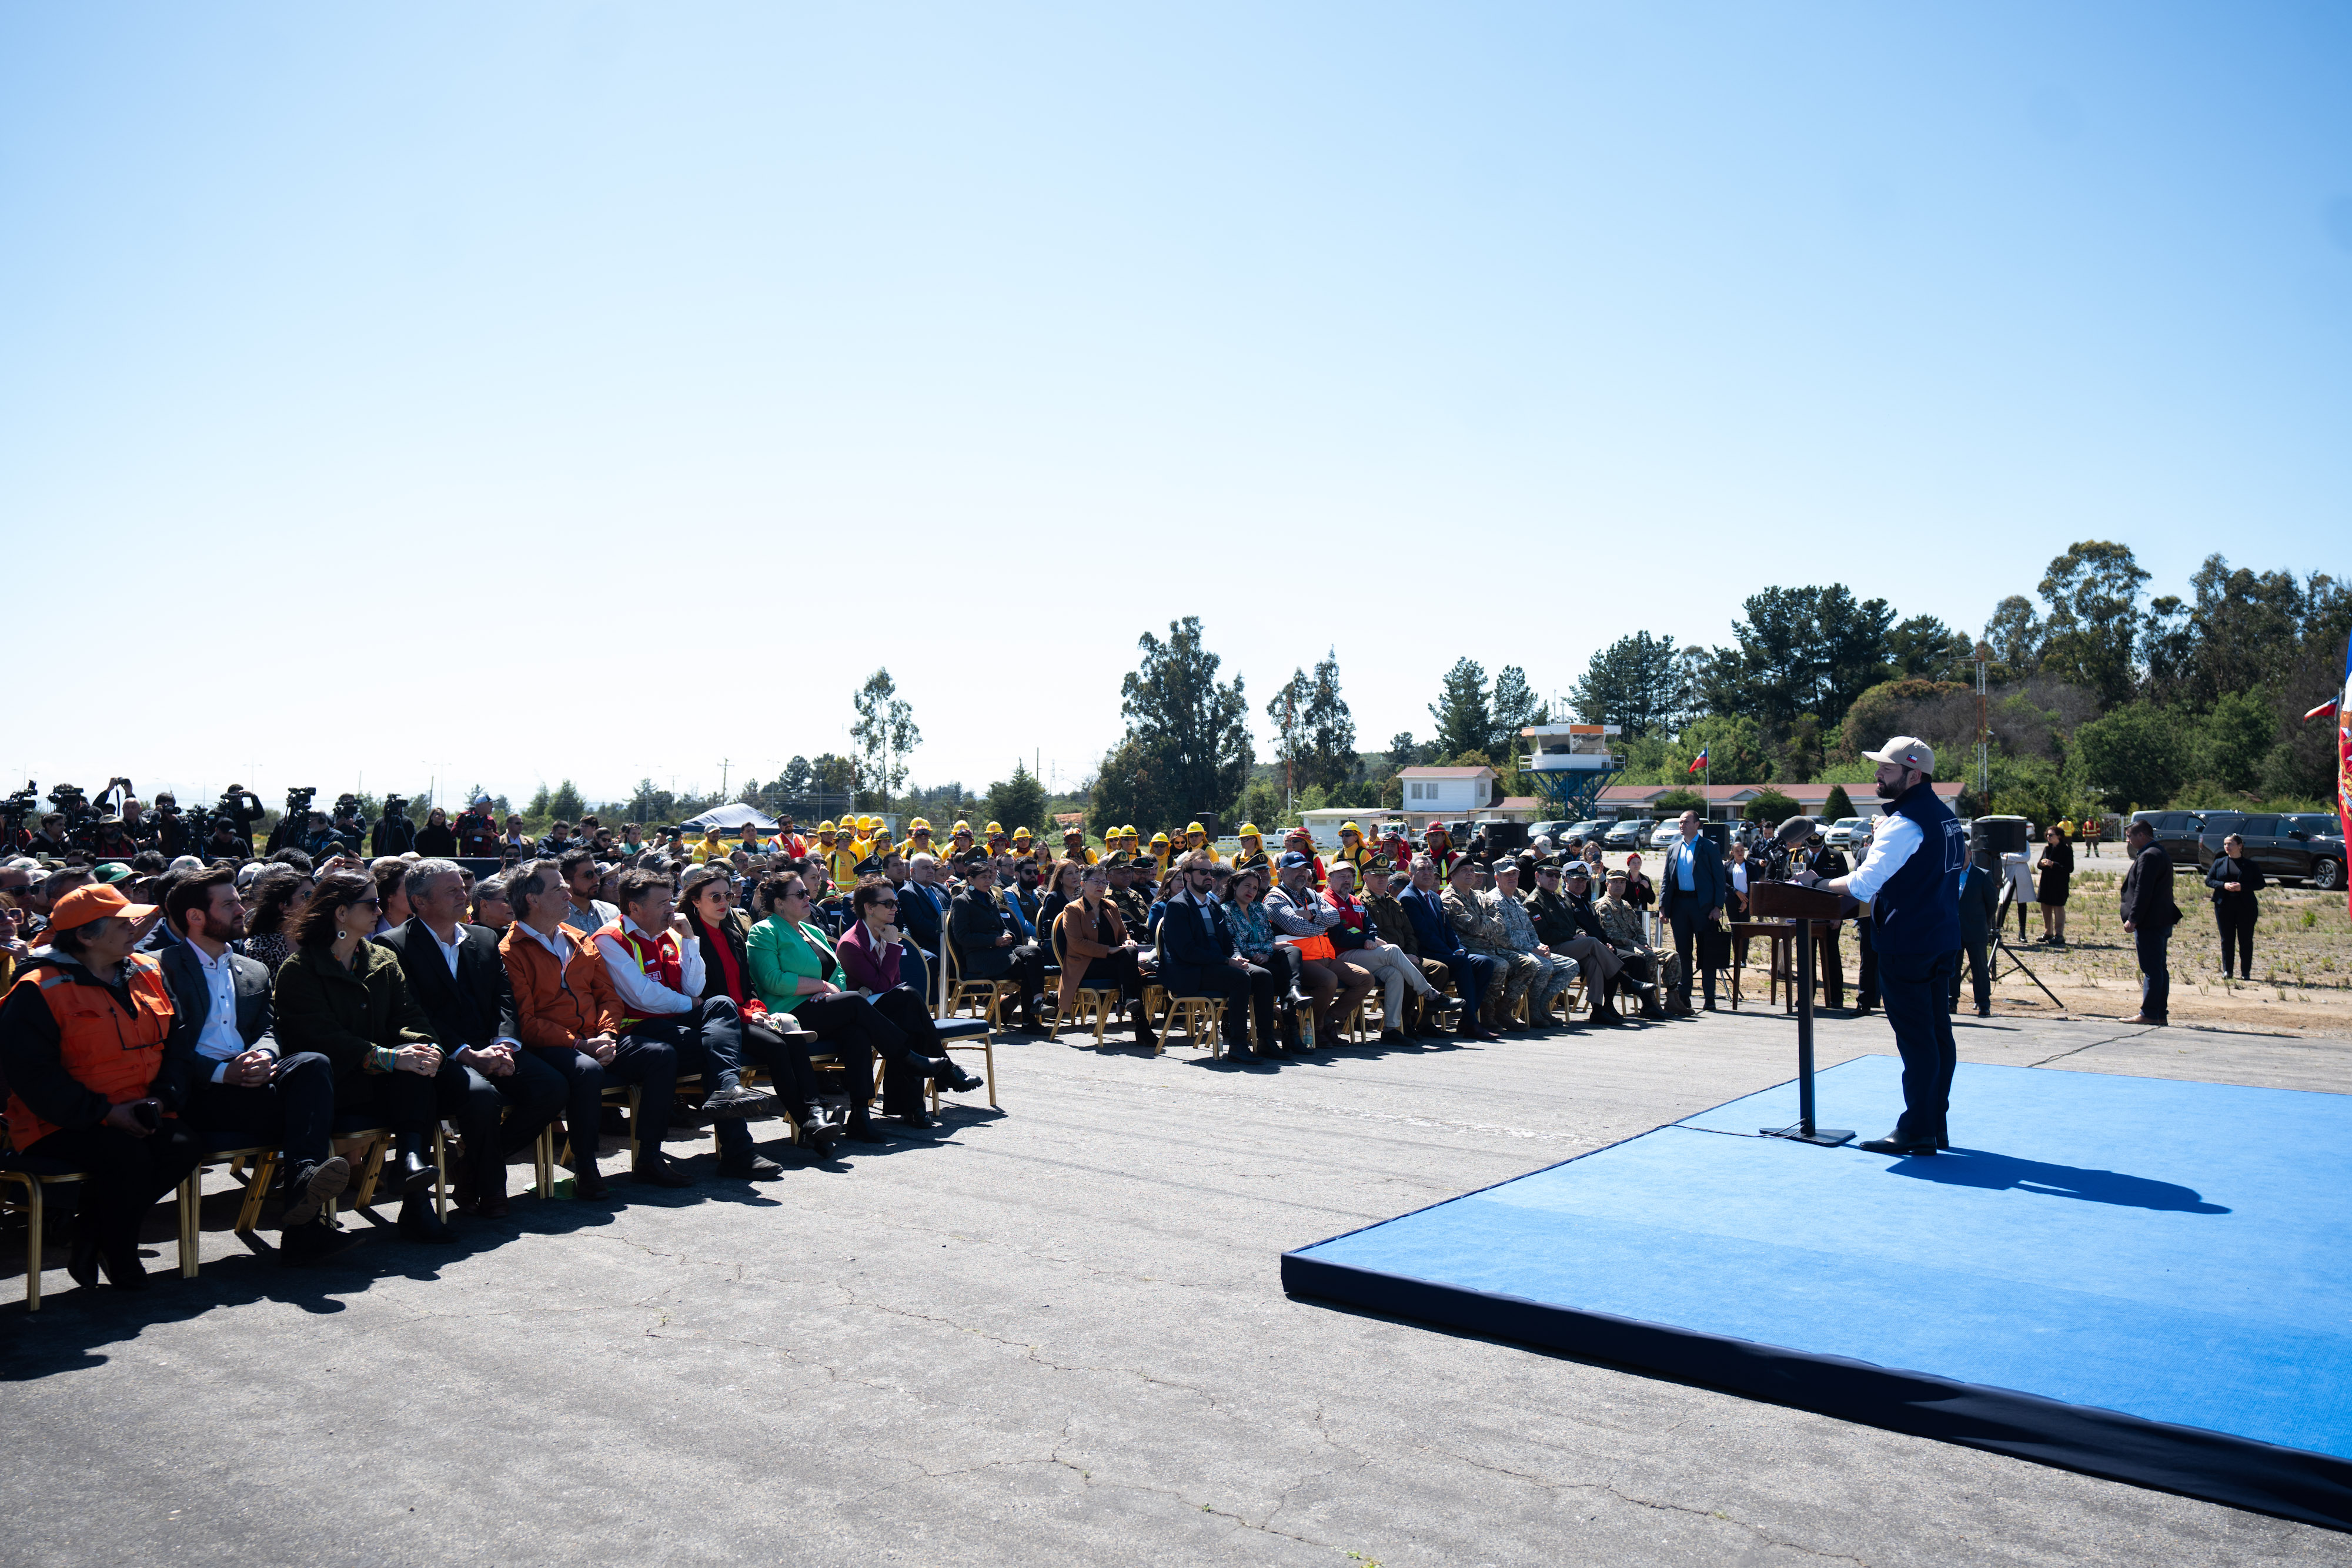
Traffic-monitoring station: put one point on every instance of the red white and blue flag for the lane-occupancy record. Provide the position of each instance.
(1697, 762)
(2343, 756)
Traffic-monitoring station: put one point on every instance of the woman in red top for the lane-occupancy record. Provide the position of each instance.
(707, 895)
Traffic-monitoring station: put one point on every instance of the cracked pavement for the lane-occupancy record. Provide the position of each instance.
(1052, 1335)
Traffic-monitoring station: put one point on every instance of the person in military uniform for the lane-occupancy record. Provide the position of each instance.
(1479, 925)
(1622, 924)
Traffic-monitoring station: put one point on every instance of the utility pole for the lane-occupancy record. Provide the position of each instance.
(723, 777)
(1984, 729)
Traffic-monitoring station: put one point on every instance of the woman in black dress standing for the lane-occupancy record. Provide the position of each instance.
(2235, 880)
(2057, 869)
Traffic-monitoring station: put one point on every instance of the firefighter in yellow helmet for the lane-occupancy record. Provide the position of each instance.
(1251, 855)
(1073, 846)
(959, 842)
(999, 842)
(1196, 838)
(919, 839)
(1160, 855)
(1023, 842)
(1354, 850)
(841, 857)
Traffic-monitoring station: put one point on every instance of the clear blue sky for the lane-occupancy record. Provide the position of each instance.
(520, 391)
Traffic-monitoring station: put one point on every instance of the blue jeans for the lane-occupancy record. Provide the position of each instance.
(1916, 988)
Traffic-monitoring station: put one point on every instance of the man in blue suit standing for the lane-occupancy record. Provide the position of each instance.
(1692, 891)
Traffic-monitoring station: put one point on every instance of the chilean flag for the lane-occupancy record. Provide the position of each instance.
(1697, 762)
(2343, 705)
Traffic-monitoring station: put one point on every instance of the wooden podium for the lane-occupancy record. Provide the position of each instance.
(1801, 909)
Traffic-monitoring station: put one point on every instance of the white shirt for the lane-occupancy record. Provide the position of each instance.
(646, 997)
(1898, 837)
(220, 1040)
(449, 951)
(1739, 870)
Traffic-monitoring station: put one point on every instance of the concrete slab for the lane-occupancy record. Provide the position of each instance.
(1050, 1335)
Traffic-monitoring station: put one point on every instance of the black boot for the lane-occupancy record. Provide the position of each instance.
(416, 1169)
(418, 1222)
(1142, 1022)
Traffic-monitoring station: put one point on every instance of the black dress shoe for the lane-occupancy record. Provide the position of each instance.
(419, 1223)
(590, 1183)
(309, 1243)
(919, 1119)
(81, 1260)
(961, 1082)
(750, 1167)
(1890, 1144)
(738, 1103)
(655, 1170)
(862, 1131)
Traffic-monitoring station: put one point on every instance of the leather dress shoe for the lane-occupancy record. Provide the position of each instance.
(919, 1119)
(419, 1223)
(309, 1243)
(589, 1183)
(81, 1260)
(313, 1189)
(962, 1082)
(748, 1167)
(738, 1103)
(656, 1170)
(861, 1131)
(1890, 1144)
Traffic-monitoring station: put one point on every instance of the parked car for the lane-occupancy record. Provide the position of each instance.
(1586, 830)
(1631, 833)
(1556, 831)
(1666, 833)
(2286, 847)
(1847, 832)
(2176, 833)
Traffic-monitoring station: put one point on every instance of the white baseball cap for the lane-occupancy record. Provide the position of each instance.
(1908, 749)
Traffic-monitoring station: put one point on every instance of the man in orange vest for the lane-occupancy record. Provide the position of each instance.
(82, 1033)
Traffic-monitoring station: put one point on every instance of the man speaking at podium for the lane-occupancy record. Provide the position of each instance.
(1911, 880)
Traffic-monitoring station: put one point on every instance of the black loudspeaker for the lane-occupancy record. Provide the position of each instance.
(1510, 836)
(2001, 835)
(1210, 825)
(1721, 833)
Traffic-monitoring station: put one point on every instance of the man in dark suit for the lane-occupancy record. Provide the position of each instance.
(2149, 916)
(987, 947)
(1826, 862)
(222, 1066)
(1694, 889)
(1472, 973)
(919, 916)
(455, 974)
(1980, 907)
(1198, 959)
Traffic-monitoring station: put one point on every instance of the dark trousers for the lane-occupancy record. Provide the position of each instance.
(1686, 914)
(895, 1027)
(2237, 923)
(295, 1110)
(2153, 949)
(1252, 987)
(1917, 990)
(649, 1065)
(1473, 977)
(504, 1113)
(1977, 948)
(127, 1176)
(1868, 985)
(1024, 965)
(707, 1041)
(1830, 959)
(786, 1058)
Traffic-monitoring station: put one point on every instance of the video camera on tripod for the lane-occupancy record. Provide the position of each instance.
(394, 833)
(14, 810)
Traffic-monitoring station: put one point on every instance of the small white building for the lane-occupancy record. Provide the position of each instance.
(1445, 794)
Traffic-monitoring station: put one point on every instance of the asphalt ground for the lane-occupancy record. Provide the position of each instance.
(1048, 1335)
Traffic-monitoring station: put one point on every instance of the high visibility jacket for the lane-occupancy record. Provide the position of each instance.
(108, 1052)
(656, 959)
(842, 864)
(1360, 857)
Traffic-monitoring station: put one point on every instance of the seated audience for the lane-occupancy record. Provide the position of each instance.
(1096, 948)
(281, 893)
(1335, 983)
(1199, 959)
(1425, 1014)
(987, 947)
(724, 932)
(1358, 940)
(1243, 903)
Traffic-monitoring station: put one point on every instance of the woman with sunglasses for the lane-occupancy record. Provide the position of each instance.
(1061, 891)
(795, 969)
(346, 998)
(725, 931)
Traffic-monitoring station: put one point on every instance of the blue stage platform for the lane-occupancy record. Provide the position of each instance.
(2132, 1277)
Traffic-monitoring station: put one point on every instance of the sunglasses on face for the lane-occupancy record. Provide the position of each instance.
(886, 904)
(367, 904)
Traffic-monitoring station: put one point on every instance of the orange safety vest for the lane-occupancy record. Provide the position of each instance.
(656, 960)
(106, 1051)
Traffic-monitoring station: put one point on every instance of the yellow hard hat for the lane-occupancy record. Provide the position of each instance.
(1020, 833)
(1351, 828)
(1129, 831)
(824, 826)
(962, 828)
(994, 828)
(1159, 837)
(1246, 830)
(919, 826)
(868, 824)
(1192, 828)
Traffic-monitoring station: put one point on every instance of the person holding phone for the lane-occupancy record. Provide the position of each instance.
(83, 1032)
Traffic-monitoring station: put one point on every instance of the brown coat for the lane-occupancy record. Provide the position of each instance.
(1081, 945)
(549, 1013)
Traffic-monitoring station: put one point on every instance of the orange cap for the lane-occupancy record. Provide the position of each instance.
(98, 900)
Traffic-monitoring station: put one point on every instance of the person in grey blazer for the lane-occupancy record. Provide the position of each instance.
(224, 1070)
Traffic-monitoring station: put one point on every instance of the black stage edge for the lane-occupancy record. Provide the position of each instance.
(2292, 1483)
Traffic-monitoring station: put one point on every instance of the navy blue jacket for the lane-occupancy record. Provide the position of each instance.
(918, 917)
(1917, 909)
(1430, 926)
(1707, 881)
(1184, 941)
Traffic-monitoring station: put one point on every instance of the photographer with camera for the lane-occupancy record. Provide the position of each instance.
(225, 842)
(394, 833)
(293, 829)
(82, 1039)
(242, 808)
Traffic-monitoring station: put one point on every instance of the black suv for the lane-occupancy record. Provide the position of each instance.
(2303, 846)
(2175, 833)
